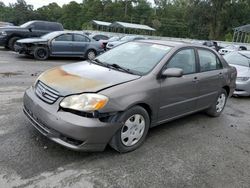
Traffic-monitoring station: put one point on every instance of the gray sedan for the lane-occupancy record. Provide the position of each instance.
(241, 61)
(115, 98)
(60, 43)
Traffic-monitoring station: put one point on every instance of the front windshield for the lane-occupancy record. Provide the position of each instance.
(237, 58)
(112, 39)
(138, 57)
(25, 25)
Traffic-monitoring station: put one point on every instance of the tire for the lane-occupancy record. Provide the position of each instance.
(91, 54)
(12, 42)
(217, 108)
(41, 53)
(131, 135)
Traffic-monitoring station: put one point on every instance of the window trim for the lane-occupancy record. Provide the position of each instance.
(177, 51)
(198, 59)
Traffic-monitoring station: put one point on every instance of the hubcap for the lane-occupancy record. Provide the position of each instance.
(91, 55)
(220, 102)
(133, 130)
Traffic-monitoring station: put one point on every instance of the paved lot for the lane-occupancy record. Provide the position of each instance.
(195, 151)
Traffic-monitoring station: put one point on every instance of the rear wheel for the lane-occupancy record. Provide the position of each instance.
(12, 42)
(216, 109)
(133, 132)
(91, 54)
(41, 53)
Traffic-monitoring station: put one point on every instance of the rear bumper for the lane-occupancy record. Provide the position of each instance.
(72, 131)
(242, 88)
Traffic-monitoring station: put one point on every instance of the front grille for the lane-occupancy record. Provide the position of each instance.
(46, 93)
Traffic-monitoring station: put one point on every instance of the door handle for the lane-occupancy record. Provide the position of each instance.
(195, 79)
(220, 75)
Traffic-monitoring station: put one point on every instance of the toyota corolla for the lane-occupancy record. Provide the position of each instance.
(115, 98)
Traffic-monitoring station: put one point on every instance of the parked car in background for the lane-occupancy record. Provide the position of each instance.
(99, 37)
(60, 43)
(123, 40)
(118, 96)
(4, 24)
(212, 44)
(231, 48)
(10, 34)
(112, 39)
(241, 61)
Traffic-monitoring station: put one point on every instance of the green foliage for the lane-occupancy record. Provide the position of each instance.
(229, 37)
(200, 19)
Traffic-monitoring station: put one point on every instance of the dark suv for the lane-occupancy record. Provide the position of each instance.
(10, 34)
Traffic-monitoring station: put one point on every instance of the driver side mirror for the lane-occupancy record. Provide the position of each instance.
(172, 72)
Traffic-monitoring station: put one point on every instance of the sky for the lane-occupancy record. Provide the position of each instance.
(40, 3)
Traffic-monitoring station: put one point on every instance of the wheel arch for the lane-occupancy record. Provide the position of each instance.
(227, 88)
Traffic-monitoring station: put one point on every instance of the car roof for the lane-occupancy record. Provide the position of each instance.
(72, 32)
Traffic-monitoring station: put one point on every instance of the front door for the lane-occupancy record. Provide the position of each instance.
(178, 96)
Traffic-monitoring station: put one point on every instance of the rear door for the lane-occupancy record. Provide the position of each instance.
(178, 96)
(62, 45)
(80, 44)
(210, 77)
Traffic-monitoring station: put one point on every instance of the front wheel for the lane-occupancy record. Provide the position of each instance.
(133, 132)
(41, 53)
(216, 109)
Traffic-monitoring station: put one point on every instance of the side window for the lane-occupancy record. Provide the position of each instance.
(208, 61)
(64, 37)
(80, 38)
(185, 60)
(39, 26)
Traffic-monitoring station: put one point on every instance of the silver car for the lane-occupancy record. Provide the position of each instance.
(124, 39)
(115, 98)
(241, 61)
(231, 48)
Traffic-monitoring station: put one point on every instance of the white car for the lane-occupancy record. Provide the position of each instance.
(231, 48)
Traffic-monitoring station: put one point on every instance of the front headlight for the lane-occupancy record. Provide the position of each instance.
(242, 79)
(87, 102)
(3, 33)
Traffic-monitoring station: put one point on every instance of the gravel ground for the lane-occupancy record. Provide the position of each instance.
(195, 151)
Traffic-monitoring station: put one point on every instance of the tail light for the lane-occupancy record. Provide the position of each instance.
(102, 45)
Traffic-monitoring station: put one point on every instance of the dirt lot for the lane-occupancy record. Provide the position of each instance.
(195, 151)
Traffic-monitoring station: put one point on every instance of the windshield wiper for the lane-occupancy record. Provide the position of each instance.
(97, 61)
(118, 67)
(114, 66)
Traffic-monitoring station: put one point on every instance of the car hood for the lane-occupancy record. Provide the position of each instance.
(83, 77)
(242, 71)
(32, 40)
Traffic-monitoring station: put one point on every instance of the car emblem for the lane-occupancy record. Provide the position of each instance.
(43, 91)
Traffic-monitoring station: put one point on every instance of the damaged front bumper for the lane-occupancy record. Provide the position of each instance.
(65, 128)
